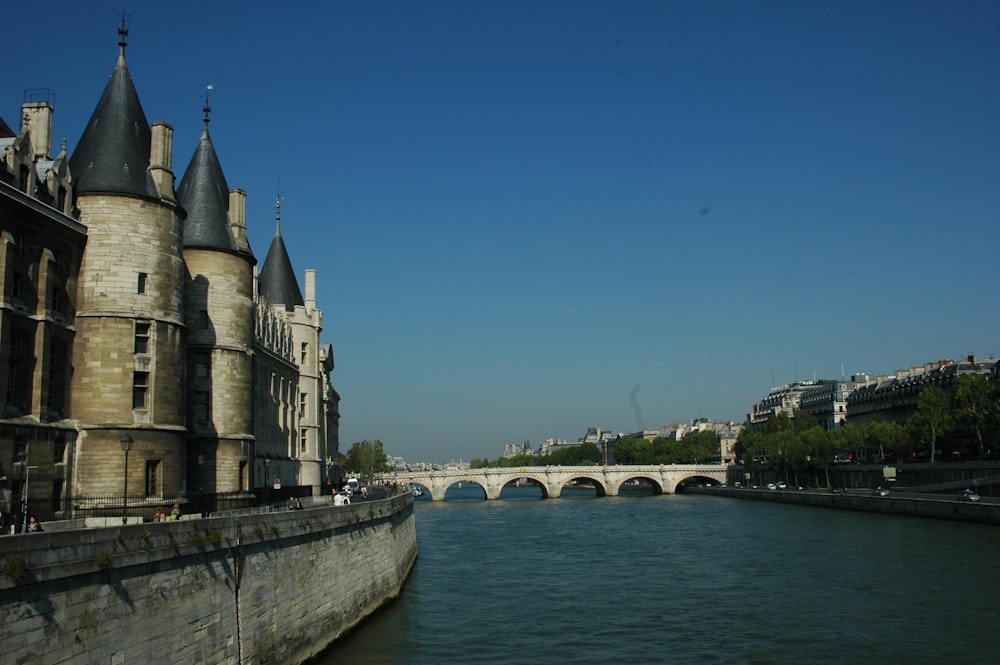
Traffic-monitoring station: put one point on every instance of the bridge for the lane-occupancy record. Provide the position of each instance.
(607, 480)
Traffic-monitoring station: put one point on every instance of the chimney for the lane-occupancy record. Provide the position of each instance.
(238, 219)
(161, 157)
(38, 116)
(310, 290)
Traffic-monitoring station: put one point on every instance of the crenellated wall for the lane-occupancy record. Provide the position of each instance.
(258, 589)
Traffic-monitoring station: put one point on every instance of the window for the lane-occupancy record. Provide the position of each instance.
(142, 337)
(304, 355)
(143, 282)
(57, 376)
(140, 388)
(59, 450)
(303, 438)
(244, 480)
(201, 403)
(56, 301)
(153, 477)
(302, 404)
(15, 356)
(201, 365)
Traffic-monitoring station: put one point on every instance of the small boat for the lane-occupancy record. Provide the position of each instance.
(416, 490)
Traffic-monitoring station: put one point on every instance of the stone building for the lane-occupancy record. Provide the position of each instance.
(134, 326)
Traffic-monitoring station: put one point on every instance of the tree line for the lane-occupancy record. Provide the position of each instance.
(960, 422)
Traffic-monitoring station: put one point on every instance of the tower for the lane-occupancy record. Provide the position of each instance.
(218, 300)
(128, 381)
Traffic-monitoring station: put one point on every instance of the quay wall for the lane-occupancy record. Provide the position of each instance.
(945, 507)
(269, 588)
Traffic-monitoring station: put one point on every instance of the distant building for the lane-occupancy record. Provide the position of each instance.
(783, 399)
(895, 398)
(517, 449)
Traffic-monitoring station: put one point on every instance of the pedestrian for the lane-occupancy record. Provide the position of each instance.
(159, 515)
(338, 498)
(33, 525)
(175, 512)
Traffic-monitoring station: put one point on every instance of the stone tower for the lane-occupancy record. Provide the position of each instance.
(219, 315)
(308, 431)
(129, 359)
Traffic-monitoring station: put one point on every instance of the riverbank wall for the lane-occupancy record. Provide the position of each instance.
(269, 588)
(945, 507)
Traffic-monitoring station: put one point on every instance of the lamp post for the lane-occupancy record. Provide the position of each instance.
(24, 491)
(127, 442)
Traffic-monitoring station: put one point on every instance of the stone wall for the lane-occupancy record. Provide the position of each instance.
(945, 507)
(258, 589)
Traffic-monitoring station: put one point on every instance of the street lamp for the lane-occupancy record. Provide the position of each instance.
(24, 491)
(127, 442)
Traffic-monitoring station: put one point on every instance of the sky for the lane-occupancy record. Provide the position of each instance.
(529, 218)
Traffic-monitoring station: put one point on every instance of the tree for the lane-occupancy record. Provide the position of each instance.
(803, 421)
(626, 450)
(367, 458)
(933, 416)
(976, 402)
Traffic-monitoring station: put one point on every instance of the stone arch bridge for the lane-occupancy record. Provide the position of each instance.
(608, 480)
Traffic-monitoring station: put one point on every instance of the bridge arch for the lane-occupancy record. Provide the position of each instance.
(651, 481)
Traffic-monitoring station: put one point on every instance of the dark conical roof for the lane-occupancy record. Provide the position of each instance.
(5, 131)
(276, 281)
(204, 194)
(113, 153)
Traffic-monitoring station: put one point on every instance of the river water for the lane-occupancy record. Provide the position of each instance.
(683, 579)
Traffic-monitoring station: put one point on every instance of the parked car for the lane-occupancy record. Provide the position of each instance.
(782, 485)
(967, 495)
(880, 491)
(772, 486)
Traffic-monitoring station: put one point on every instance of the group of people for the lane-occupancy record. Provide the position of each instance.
(294, 503)
(341, 498)
(160, 516)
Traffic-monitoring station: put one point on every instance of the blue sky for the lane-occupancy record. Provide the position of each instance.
(522, 213)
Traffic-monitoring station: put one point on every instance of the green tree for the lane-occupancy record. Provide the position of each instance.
(883, 436)
(778, 423)
(803, 421)
(932, 418)
(367, 458)
(976, 403)
(626, 450)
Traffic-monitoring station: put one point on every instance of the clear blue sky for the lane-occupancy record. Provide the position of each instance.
(522, 213)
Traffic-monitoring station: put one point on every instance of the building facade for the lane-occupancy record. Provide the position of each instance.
(142, 348)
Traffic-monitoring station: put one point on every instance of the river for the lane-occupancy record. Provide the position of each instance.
(683, 579)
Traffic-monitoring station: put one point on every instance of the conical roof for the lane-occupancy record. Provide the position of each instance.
(276, 281)
(113, 153)
(204, 194)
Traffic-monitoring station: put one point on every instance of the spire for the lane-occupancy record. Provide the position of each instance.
(113, 153)
(276, 281)
(122, 34)
(208, 103)
(204, 194)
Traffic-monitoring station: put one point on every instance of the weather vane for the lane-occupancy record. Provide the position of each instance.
(208, 102)
(123, 31)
